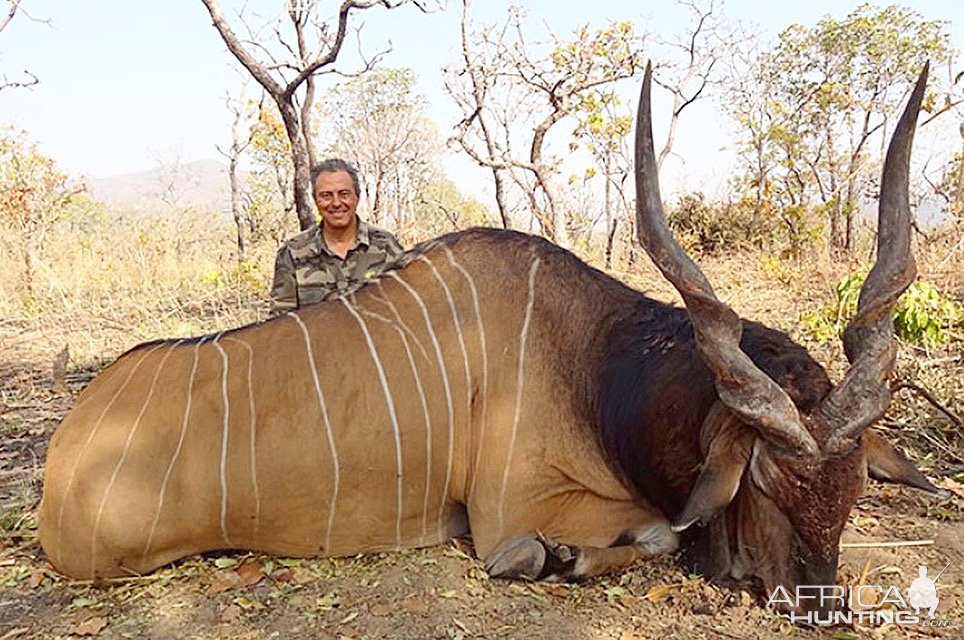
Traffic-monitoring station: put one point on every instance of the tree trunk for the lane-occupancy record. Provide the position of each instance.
(500, 198)
(607, 207)
(30, 251)
(378, 201)
(301, 162)
(560, 231)
(236, 206)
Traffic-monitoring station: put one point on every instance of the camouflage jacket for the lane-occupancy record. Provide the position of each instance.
(305, 271)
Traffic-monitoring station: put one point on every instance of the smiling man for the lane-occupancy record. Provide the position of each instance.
(339, 254)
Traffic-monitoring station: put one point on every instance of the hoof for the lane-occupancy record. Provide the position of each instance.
(532, 557)
(520, 557)
(658, 539)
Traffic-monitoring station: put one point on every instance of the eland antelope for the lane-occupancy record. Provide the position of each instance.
(492, 383)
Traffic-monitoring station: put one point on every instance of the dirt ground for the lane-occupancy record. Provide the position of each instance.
(440, 592)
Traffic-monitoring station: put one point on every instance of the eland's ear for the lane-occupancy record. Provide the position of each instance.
(886, 463)
(727, 455)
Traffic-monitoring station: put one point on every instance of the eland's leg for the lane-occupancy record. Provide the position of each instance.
(536, 557)
(572, 536)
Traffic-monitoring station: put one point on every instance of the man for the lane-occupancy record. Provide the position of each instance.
(337, 256)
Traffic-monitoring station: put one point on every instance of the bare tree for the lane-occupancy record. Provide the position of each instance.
(173, 178)
(694, 57)
(239, 143)
(380, 122)
(29, 79)
(306, 46)
(604, 127)
(544, 86)
(474, 101)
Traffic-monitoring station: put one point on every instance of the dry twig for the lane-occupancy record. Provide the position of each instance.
(878, 545)
(927, 395)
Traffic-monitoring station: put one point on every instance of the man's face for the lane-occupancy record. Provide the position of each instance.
(336, 199)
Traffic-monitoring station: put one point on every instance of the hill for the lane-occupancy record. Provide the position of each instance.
(201, 184)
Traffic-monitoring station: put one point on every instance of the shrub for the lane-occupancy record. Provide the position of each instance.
(717, 227)
(922, 316)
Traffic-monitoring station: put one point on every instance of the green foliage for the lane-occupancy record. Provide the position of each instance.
(609, 53)
(34, 196)
(922, 316)
(951, 186)
(250, 273)
(213, 278)
(805, 108)
(266, 210)
(246, 274)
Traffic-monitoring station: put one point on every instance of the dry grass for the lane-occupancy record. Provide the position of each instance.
(105, 287)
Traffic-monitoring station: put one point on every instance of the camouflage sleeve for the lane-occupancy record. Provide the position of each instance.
(284, 289)
(392, 247)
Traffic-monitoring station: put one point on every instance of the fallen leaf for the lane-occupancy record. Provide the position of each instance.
(351, 616)
(380, 609)
(290, 562)
(614, 595)
(301, 576)
(250, 573)
(247, 603)
(224, 581)
(282, 575)
(415, 605)
(225, 563)
(36, 579)
(450, 593)
(866, 522)
(327, 602)
(558, 590)
(659, 593)
(230, 613)
(90, 626)
(952, 485)
(82, 602)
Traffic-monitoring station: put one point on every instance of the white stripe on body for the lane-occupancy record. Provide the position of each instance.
(120, 461)
(390, 403)
(83, 450)
(518, 397)
(252, 431)
(485, 366)
(225, 426)
(336, 467)
(445, 384)
(177, 449)
(428, 420)
(398, 317)
(461, 338)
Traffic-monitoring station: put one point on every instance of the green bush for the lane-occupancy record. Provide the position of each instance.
(922, 316)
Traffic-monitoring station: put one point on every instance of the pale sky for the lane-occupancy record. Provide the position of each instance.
(126, 82)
